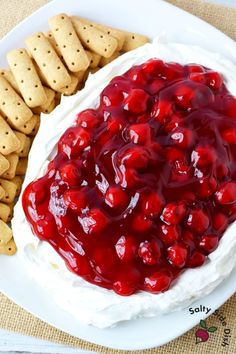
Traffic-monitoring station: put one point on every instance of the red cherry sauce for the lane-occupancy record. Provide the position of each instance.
(144, 186)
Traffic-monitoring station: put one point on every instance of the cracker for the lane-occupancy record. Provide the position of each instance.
(104, 61)
(50, 108)
(7, 74)
(18, 182)
(70, 46)
(4, 212)
(8, 140)
(26, 77)
(95, 60)
(94, 39)
(26, 148)
(10, 190)
(28, 127)
(80, 75)
(9, 249)
(89, 55)
(133, 41)
(11, 214)
(48, 61)
(71, 88)
(50, 97)
(5, 233)
(22, 138)
(21, 166)
(114, 32)
(13, 161)
(12, 105)
(4, 164)
(2, 193)
(36, 127)
(53, 42)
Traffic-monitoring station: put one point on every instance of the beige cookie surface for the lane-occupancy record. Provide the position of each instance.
(8, 140)
(4, 164)
(11, 171)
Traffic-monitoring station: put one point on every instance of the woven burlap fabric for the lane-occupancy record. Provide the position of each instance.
(14, 318)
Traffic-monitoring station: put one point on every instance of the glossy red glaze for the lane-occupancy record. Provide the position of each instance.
(144, 186)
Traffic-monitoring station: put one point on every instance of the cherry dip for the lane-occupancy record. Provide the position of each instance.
(144, 186)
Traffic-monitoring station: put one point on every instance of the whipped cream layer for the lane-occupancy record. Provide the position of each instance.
(87, 302)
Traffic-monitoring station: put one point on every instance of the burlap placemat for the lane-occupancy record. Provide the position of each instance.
(12, 317)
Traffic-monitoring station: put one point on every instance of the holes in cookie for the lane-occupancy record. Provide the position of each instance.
(22, 81)
(21, 52)
(56, 29)
(30, 99)
(58, 68)
(105, 50)
(3, 147)
(62, 17)
(49, 51)
(6, 133)
(108, 32)
(84, 27)
(72, 63)
(16, 118)
(35, 49)
(133, 37)
(101, 36)
(54, 81)
(15, 64)
(88, 41)
(28, 69)
(67, 86)
(78, 50)
(18, 103)
(64, 46)
(39, 35)
(6, 89)
(25, 126)
(91, 25)
(70, 34)
(36, 86)
(2, 73)
(50, 35)
(44, 64)
(3, 103)
(9, 249)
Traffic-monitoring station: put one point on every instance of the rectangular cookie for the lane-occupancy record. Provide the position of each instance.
(104, 61)
(71, 88)
(114, 32)
(53, 42)
(36, 127)
(10, 191)
(48, 61)
(12, 105)
(8, 140)
(5, 233)
(4, 212)
(50, 97)
(11, 172)
(9, 249)
(18, 180)
(21, 166)
(95, 60)
(22, 138)
(26, 77)
(28, 127)
(7, 74)
(94, 39)
(2, 193)
(133, 41)
(4, 164)
(70, 46)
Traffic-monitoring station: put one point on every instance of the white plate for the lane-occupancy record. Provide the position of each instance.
(151, 17)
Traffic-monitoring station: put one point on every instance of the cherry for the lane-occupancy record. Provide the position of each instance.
(136, 101)
(203, 156)
(135, 157)
(208, 243)
(74, 200)
(169, 234)
(173, 213)
(196, 259)
(88, 119)
(140, 133)
(152, 204)
(70, 173)
(127, 282)
(157, 282)
(182, 137)
(177, 255)
(198, 220)
(141, 223)
(207, 187)
(116, 198)
(95, 221)
(126, 248)
(226, 194)
(149, 252)
(220, 222)
(229, 135)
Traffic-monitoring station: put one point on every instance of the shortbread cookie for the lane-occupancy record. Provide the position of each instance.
(114, 32)
(2, 193)
(48, 61)
(7, 74)
(94, 39)
(71, 88)
(26, 77)
(36, 127)
(50, 97)
(4, 164)
(8, 140)
(21, 166)
(104, 61)
(133, 41)
(9, 249)
(26, 148)
(95, 60)
(28, 127)
(18, 182)
(70, 46)
(5, 233)
(13, 161)
(10, 191)
(4, 212)
(12, 105)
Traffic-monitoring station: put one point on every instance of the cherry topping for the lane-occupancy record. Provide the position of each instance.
(143, 186)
